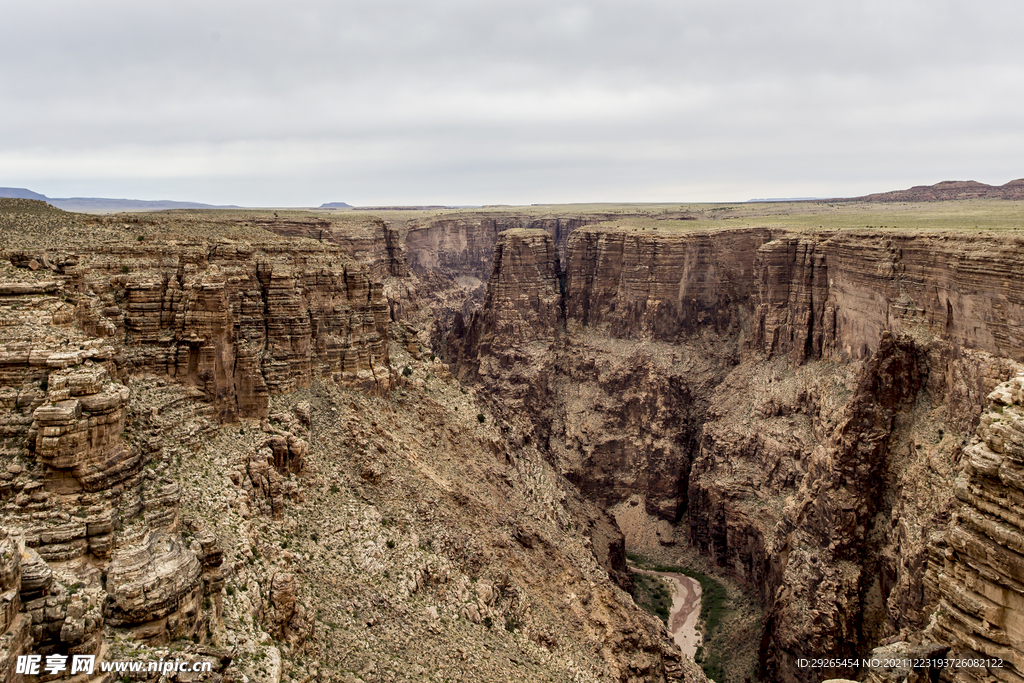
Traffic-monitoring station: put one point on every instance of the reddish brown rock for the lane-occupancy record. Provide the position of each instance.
(287, 619)
(73, 483)
(977, 567)
(821, 490)
(155, 589)
(793, 310)
(241, 324)
(947, 190)
(263, 483)
(523, 304)
(660, 286)
(839, 291)
(14, 624)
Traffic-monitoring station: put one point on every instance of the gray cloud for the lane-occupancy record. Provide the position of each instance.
(465, 102)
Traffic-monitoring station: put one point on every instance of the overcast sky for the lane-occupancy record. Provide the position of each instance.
(471, 102)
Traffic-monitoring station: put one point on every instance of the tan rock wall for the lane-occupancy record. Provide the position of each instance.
(662, 286)
(822, 488)
(241, 324)
(977, 566)
(839, 291)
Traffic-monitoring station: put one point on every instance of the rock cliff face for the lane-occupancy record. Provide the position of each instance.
(88, 502)
(372, 243)
(523, 302)
(977, 564)
(661, 287)
(239, 322)
(838, 292)
(95, 525)
(796, 401)
(15, 636)
(619, 419)
(432, 269)
(197, 458)
(463, 245)
(451, 258)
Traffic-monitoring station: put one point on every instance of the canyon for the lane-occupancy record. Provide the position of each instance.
(372, 447)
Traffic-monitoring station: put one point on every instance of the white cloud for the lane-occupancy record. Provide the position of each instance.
(500, 101)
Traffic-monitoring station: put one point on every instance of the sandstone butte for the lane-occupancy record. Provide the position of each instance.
(354, 447)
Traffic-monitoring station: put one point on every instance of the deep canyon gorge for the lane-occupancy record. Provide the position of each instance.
(393, 446)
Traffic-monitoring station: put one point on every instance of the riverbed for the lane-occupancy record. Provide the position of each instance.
(682, 621)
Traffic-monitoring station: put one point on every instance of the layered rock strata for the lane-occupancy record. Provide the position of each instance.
(835, 293)
(450, 259)
(619, 418)
(15, 625)
(819, 476)
(977, 564)
(635, 285)
(523, 303)
(239, 323)
(97, 533)
(463, 245)
(373, 242)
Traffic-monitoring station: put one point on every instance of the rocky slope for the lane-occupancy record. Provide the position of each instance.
(217, 447)
(794, 405)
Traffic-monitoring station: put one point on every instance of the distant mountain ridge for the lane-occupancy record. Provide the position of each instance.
(945, 191)
(20, 193)
(105, 205)
(785, 199)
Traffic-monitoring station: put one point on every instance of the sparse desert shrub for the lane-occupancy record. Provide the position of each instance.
(480, 418)
(406, 371)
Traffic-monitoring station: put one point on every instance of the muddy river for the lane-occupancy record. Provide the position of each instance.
(682, 621)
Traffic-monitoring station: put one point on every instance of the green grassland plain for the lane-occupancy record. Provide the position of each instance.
(23, 220)
(974, 214)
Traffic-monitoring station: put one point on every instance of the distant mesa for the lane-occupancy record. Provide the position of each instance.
(430, 207)
(20, 193)
(786, 199)
(105, 205)
(947, 190)
(335, 205)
